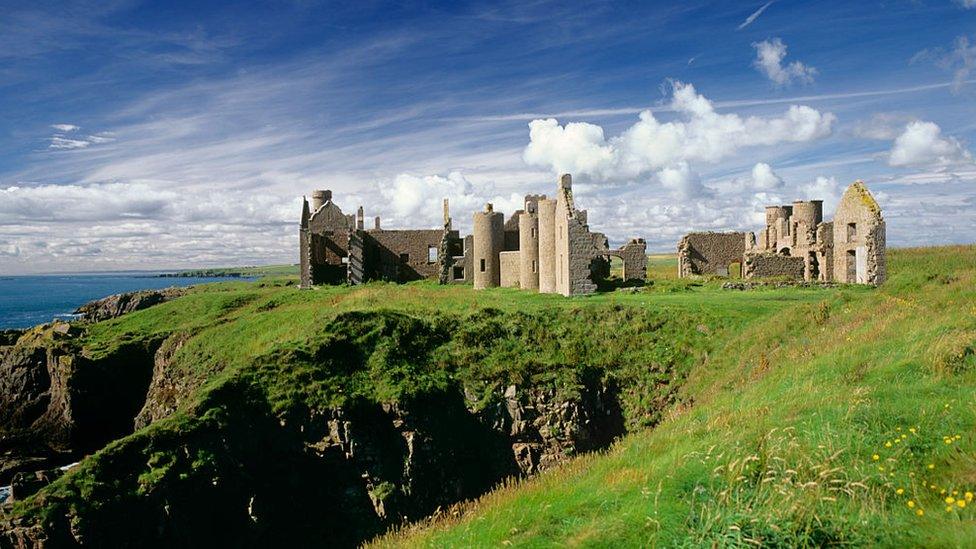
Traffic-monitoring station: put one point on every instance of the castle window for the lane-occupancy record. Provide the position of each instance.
(534, 269)
(404, 259)
(482, 265)
(458, 273)
(851, 232)
(533, 232)
(431, 254)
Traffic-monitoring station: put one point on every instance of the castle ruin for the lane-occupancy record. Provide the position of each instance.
(335, 247)
(547, 247)
(798, 244)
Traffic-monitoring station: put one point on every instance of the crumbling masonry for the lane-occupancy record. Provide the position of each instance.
(545, 247)
(798, 244)
(548, 247)
(335, 248)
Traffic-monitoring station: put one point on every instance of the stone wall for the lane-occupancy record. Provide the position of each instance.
(634, 256)
(710, 253)
(768, 265)
(402, 255)
(859, 238)
(509, 266)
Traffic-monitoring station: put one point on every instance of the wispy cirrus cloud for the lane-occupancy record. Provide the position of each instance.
(69, 138)
(754, 15)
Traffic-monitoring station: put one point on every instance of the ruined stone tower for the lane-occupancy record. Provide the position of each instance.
(489, 242)
(547, 246)
(529, 243)
(859, 238)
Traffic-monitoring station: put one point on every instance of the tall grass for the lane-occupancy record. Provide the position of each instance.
(815, 425)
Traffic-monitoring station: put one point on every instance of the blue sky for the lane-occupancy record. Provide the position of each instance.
(161, 135)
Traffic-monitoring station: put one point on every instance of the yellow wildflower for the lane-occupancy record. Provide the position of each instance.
(931, 466)
(875, 457)
(911, 504)
(948, 508)
(919, 512)
(969, 496)
(955, 492)
(961, 503)
(888, 444)
(950, 500)
(881, 468)
(900, 491)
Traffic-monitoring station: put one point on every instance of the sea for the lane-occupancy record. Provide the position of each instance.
(26, 301)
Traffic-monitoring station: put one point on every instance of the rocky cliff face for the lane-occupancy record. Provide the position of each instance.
(56, 403)
(255, 456)
(343, 474)
(119, 304)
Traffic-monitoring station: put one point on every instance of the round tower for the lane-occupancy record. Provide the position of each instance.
(547, 246)
(529, 250)
(808, 211)
(319, 198)
(489, 241)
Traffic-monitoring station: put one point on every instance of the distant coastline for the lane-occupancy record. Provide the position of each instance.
(232, 272)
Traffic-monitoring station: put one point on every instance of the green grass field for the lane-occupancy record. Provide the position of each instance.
(848, 420)
(791, 416)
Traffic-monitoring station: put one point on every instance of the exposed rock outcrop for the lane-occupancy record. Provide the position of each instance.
(55, 402)
(119, 304)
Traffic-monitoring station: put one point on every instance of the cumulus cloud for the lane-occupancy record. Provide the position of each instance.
(763, 178)
(65, 127)
(416, 201)
(769, 61)
(682, 181)
(922, 144)
(700, 135)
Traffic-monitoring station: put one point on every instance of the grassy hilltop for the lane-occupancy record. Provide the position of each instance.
(784, 416)
(848, 421)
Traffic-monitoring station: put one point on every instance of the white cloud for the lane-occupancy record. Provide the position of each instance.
(960, 60)
(823, 188)
(755, 15)
(967, 4)
(701, 134)
(922, 144)
(63, 143)
(764, 178)
(769, 61)
(61, 140)
(416, 201)
(682, 181)
(881, 126)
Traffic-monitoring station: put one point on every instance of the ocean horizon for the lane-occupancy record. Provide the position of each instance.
(29, 300)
